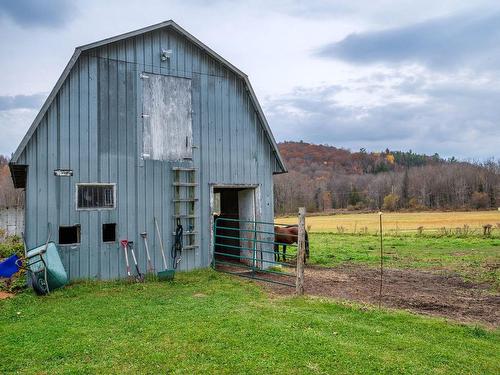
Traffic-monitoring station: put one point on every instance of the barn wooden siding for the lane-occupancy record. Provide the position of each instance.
(94, 127)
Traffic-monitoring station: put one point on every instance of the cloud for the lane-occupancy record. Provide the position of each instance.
(459, 41)
(33, 13)
(34, 101)
(313, 8)
(452, 119)
(16, 114)
(13, 125)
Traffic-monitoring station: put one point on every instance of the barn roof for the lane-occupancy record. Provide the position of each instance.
(180, 30)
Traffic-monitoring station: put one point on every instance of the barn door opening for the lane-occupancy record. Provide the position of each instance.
(242, 243)
(236, 207)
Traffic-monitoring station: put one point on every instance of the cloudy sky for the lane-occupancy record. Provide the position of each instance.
(421, 75)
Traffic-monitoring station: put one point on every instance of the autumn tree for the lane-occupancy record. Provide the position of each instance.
(391, 202)
(480, 200)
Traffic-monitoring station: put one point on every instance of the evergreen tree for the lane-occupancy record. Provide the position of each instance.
(405, 195)
(354, 196)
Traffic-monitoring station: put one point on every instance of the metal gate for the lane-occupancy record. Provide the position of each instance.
(248, 248)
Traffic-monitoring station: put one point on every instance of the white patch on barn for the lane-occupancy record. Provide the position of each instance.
(167, 118)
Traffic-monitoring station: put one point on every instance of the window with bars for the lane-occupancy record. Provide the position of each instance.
(95, 196)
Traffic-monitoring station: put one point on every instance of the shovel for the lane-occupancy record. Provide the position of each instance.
(150, 265)
(139, 277)
(124, 243)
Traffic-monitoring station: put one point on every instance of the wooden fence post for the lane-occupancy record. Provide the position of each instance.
(301, 248)
(381, 259)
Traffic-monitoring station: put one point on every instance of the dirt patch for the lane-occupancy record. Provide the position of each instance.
(199, 295)
(444, 295)
(4, 295)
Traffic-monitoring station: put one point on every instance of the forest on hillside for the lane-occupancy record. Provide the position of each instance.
(324, 177)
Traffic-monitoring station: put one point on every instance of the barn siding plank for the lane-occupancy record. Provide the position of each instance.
(148, 53)
(131, 123)
(52, 183)
(65, 185)
(205, 172)
(116, 258)
(104, 148)
(93, 166)
(155, 52)
(83, 112)
(74, 145)
(123, 188)
(173, 64)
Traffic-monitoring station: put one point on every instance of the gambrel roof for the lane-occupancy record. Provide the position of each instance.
(171, 24)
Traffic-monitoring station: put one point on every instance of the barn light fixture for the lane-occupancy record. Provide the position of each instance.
(166, 54)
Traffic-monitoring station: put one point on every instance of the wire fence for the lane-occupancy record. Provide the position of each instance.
(465, 230)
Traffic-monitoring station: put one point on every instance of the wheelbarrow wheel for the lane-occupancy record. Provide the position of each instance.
(40, 286)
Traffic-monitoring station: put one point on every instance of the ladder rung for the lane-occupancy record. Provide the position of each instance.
(185, 184)
(187, 233)
(185, 200)
(184, 169)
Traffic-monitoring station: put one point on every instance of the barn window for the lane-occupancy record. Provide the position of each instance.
(109, 232)
(95, 196)
(167, 118)
(69, 235)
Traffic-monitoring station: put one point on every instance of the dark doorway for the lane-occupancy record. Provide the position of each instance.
(234, 237)
(226, 207)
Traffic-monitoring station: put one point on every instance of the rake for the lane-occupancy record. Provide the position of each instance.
(167, 274)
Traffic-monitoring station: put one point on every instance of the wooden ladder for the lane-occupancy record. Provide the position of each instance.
(185, 204)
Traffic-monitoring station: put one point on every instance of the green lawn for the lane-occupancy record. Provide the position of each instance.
(475, 258)
(207, 322)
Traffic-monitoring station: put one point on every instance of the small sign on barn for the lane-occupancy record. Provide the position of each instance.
(63, 172)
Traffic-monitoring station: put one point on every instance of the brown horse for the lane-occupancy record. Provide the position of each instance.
(287, 236)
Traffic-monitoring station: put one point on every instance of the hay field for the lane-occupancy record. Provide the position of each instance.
(399, 221)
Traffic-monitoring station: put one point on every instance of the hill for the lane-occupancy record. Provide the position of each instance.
(329, 158)
(323, 177)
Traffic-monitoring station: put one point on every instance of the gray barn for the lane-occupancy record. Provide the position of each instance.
(148, 124)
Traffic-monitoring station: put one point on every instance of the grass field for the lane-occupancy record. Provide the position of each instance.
(400, 221)
(475, 258)
(206, 322)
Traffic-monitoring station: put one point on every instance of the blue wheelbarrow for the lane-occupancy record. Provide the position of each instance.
(9, 267)
(45, 267)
